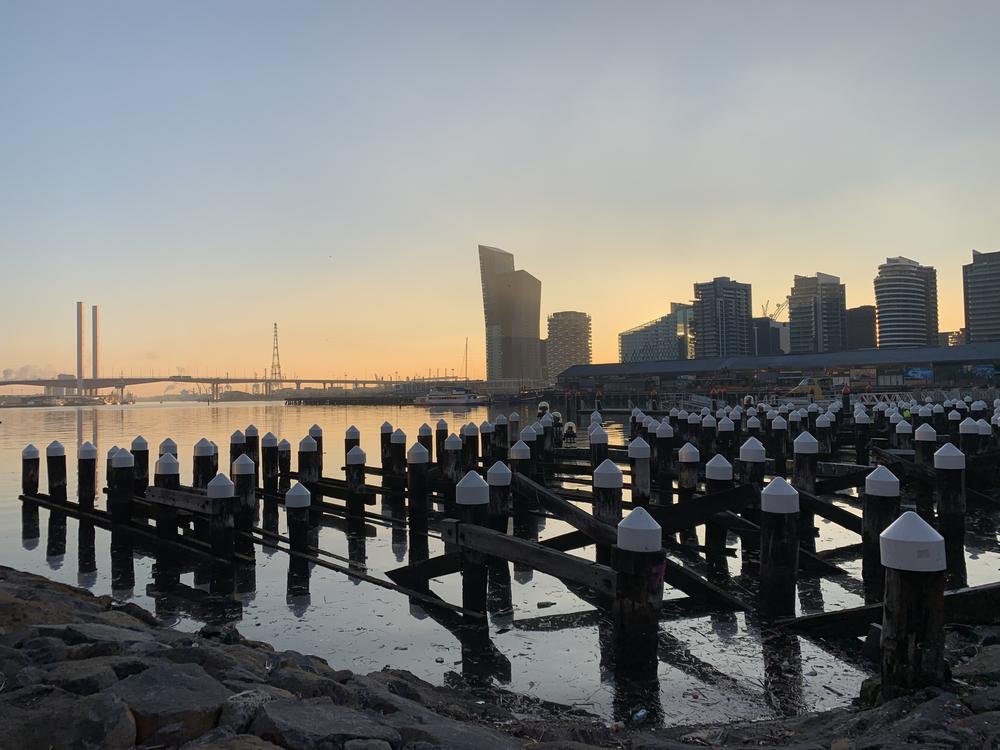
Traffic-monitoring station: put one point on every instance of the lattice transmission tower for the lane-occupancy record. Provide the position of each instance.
(275, 359)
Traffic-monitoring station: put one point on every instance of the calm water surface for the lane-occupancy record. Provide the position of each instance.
(711, 668)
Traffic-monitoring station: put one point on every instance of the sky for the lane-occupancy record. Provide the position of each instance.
(204, 170)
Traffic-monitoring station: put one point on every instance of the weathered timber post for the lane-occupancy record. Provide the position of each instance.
(201, 473)
(472, 495)
(904, 435)
(109, 475)
(530, 438)
(694, 429)
(812, 414)
(824, 436)
(298, 499)
(498, 478)
(397, 460)
(954, 420)
(557, 429)
(862, 429)
(237, 446)
(598, 439)
(486, 444)
(548, 436)
(880, 507)
(352, 438)
(949, 491)
(120, 492)
(913, 555)
(440, 435)
(215, 458)
(86, 475)
(518, 457)
(500, 442)
(417, 482)
(451, 468)
(513, 427)
(674, 416)
(985, 435)
(166, 474)
(284, 465)
(638, 455)
(385, 443)
(753, 458)
(269, 463)
(968, 436)
(55, 467)
(221, 525)
(252, 435)
(688, 458)
(354, 471)
(308, 470)
(682, 425)
(244, 472)
(779, 549)
(638, 560)
(779, 436)
(845, 399)
(665, 461)
(607, 501)
(168, 446)
(470, 447)
(924, 445)
(425, 436)
(316, 433)
(633, 422)
(806, 449)
(726, 437)
(709, 430)
(718, 478)
(794, 425)
(30, 462)
(140, 452)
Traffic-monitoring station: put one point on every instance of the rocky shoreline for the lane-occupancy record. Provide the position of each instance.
(77, 671)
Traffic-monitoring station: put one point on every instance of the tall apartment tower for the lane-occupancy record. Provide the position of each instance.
(817, 314)
(568, 343)
(861, 327)
(722, 319)
(512, 302)
(906, 304)
(981, 287)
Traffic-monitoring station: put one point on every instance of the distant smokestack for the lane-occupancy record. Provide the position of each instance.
(79, 347)
(95, 339)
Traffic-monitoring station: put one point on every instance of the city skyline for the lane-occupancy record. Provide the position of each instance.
(172, 172)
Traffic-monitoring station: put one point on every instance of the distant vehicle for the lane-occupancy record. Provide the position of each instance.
(454, 397)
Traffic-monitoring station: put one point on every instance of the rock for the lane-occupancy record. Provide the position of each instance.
(367, 745)
(227, 633)
(12, 660)
(138, 613)
(47, 717)
(981, 730)
(984, 666)
(92, 650)
(306, 725)
(45, 650)
(239, 710)
(93, 632)
(81, 677)
(167, 694)
(987, 699)
(230, 742)
(310, 685)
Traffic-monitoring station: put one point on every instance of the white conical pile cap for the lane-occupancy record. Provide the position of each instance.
(896, 418)
(804, 413)
(805, 443)
(783, 410)
(55, 449)
(720, 413)
(638, 448)
(822, 421)
(528, 434)
(752, 411)
(813, 407)
(29, 452)
(904, 428)
(269, 440)
(595, 416)
(599, 436)
(882, 483)
(168, 446)
(546, 420)
(352, 433)
(499, 475)
(316, 431)
(794, 416)
(514, 417)
(284, 445)
(543, 405)
(737, 413)
(221, 486)
(243, 465)
(968, 426)
(727, 425)
(753, 423)
(675, 412)
(114, 449)
(635, 412)
(417, 454)
(441, 425)
(979, 405)
(539, 430)
(949, 457)
(385, 428)
(752, 451)
(167, 465)
(520, 451)
(356, 456)
(709, 421)
(705, 411)
(486, 428)
(251, 431)
(237, 438)
(500, 420)
(653, 426)
(88, 451)
(122, 459)
(779, 423)
(984, 427)
(937, 409)
(646, 420)
(297, 497)
(862, 418)
(139, 443)
(779, 497)
(453, 442)
(954, 415)
(694, 418)
(607, 475)
(638, 532)
(682, 415)
(688, 454)
(472, 490)
(471, 429)
(719, 468)
(925, 411)
(307, 445)
(925, 433)
(398, 437)
(771, 414)
(910, 543)
(664, 430)
(948, 403)
(203, 448)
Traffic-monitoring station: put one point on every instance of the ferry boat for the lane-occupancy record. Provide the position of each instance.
(454, 397)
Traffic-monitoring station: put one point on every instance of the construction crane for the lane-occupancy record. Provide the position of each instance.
(778, 309)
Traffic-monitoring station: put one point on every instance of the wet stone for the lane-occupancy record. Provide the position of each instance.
(66, 721)
(239, 710)
(81, 677)
(92, 632)
(315, 724)
(45, 650)
(309, 685)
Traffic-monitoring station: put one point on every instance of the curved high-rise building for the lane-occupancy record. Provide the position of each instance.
(906, 303)
(512, 303)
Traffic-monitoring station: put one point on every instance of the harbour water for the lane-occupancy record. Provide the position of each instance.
(715, 667)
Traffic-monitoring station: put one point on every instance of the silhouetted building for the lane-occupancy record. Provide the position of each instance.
(906, 304)
(512, 302)
(664, 338)
(569, 342)
(767, 337)
(817, 314)
(722, 318)
(981, 286)
(861, 327)
(951, 338)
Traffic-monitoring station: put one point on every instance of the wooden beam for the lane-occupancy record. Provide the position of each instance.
(423, 571)
(683, 579)
(186, 501)
(842, 482)
(829, 511)
(809, 562)
(563, 509)
(676, 517)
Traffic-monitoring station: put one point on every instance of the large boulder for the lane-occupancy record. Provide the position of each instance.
(93, 632)
(48, 717)
(316, 723)
(81, 677)
(172, 694)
